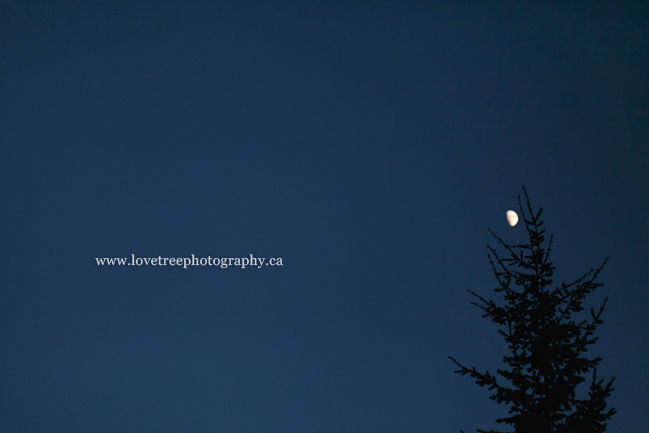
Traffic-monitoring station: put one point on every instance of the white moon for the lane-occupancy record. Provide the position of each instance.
(512, 218)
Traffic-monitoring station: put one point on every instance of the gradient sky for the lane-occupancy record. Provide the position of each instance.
(369, 146)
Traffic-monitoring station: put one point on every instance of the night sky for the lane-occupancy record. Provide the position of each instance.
(368, 146)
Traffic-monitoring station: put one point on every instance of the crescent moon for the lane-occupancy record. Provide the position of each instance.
(512, 218)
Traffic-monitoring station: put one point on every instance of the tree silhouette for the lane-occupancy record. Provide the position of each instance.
(546, 358)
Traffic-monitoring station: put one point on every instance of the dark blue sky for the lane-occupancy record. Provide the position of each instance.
(370, 147)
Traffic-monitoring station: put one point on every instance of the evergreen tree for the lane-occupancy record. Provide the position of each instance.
(547, 342)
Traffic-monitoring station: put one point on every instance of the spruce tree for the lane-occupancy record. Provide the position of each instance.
(547, 340)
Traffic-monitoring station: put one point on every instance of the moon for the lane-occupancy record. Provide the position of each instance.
(512, 218)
